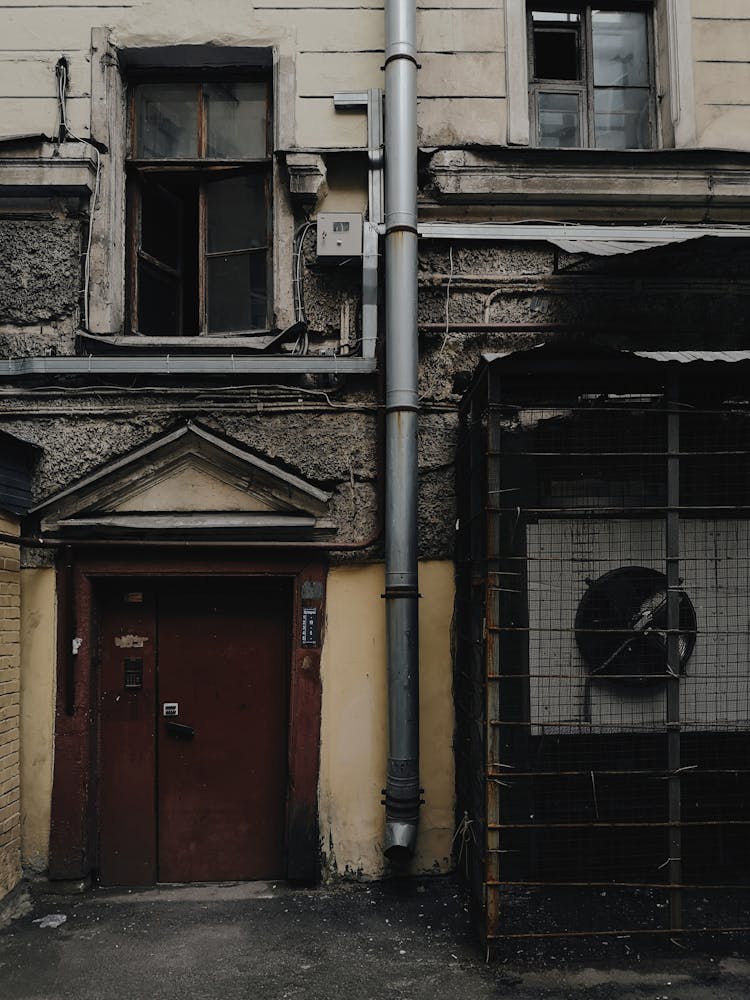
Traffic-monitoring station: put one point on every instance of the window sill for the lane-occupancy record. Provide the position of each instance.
(89, 343)
(197, 365)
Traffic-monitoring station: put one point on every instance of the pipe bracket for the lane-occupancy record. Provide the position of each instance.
(401, 593)
(401, 228)
(409, 56)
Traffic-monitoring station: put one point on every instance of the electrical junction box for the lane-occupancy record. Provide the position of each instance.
(339, 234)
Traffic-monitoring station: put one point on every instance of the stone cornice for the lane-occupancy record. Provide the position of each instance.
(692, 179)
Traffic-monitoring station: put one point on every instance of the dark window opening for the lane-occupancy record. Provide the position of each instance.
(199, 216)
(556, 55)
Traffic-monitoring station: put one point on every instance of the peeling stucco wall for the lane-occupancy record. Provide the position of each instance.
(40, 285)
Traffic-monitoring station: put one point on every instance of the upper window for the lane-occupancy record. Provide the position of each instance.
(199, 206)
(591, 76)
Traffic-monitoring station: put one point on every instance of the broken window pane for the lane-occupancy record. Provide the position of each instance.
(556, 55)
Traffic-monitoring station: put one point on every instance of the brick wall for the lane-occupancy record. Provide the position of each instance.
(10, 686)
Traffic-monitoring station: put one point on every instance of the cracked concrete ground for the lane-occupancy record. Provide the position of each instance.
(398, 939)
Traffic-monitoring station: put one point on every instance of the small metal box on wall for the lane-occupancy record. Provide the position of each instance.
(339, 234)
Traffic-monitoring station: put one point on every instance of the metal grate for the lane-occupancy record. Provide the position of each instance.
(603, 653)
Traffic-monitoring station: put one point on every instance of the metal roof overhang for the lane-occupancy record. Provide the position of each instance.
(602, 241)
(555, 360)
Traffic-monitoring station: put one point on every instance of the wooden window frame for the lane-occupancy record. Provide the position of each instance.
(205, 169)
(584, 88)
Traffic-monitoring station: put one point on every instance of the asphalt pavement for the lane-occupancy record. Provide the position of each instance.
(359, 941)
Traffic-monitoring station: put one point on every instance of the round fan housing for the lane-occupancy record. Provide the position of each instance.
(621, 626)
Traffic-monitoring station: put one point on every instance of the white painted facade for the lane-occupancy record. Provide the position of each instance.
(472, 52)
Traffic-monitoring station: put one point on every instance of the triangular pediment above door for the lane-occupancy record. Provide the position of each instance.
(188, 483)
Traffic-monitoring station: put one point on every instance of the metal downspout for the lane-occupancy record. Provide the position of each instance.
(401, 470)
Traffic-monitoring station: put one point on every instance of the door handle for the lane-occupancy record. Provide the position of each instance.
(178, 731)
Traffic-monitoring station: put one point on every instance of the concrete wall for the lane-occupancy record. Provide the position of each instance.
(463, 93)
(354, 721)
(38, 673)
(10, 694)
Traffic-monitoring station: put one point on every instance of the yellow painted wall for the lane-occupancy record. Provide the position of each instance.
(354, 720)
(38, 632)
(10, 792)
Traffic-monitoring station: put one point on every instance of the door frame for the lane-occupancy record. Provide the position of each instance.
(74, 829)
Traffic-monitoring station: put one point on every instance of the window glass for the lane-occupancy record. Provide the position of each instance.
(621, 118)
(236, 114)
(554, 15)
(559, 120)
(167, 121)
(620, 48)
(236, 213)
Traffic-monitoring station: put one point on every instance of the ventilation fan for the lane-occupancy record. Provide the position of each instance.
(621, 626)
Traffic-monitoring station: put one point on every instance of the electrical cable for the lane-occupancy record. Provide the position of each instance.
(302, 345)
(61, 73)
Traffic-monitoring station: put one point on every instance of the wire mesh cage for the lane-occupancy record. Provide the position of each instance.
(603, 646)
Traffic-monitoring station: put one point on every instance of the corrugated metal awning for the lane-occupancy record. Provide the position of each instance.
(682, 357)
(600, 241)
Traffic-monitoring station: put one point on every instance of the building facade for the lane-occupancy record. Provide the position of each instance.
(191, 327)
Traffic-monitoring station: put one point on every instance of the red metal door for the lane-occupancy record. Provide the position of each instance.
(222, 790)
(213, 775)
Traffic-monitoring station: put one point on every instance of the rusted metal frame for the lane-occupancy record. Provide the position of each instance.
(633, 511)
(620, 933)
(470, 474)
(492, 545)
(674, 737)
(596, 824)
(630, 454)
(571, 727)
(594, 631)
(511, 773)
(626, 885)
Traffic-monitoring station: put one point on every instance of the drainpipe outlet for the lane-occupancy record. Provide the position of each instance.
(402, 804)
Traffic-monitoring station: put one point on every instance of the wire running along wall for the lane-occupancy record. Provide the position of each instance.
(603, 651)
